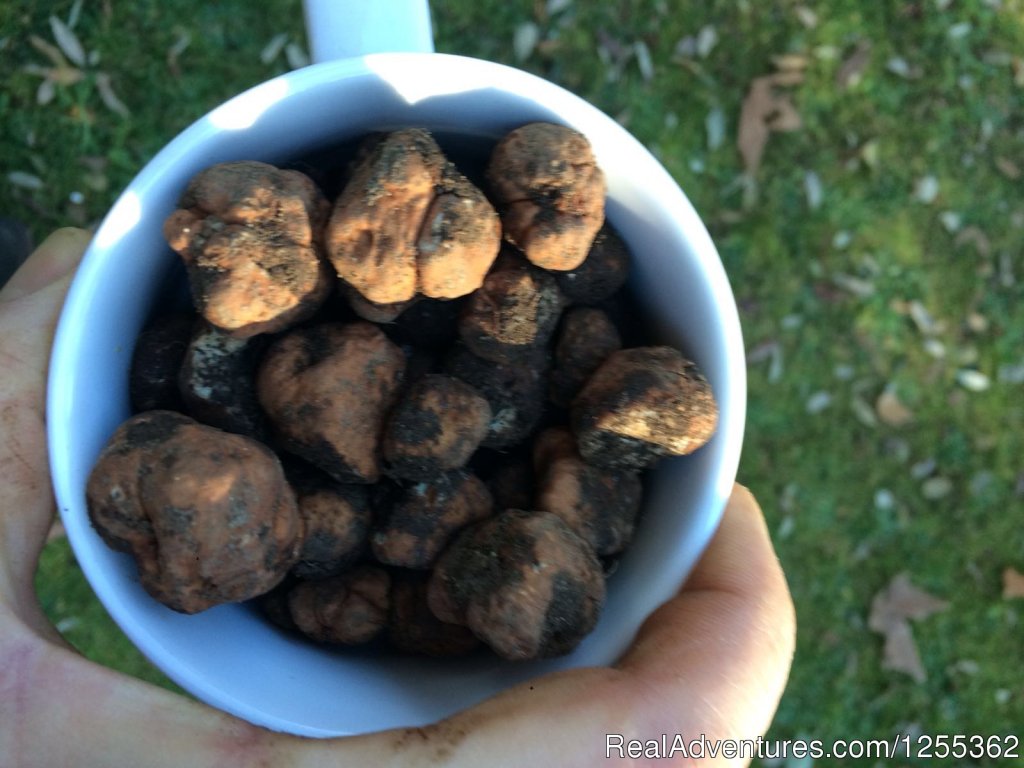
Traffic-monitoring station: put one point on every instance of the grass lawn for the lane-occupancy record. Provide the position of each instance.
(876, 255)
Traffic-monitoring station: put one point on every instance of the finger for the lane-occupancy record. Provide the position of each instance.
(29, 306)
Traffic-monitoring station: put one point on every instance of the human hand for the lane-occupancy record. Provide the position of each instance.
(712, 661)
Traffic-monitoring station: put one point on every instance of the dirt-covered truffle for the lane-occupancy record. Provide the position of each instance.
(642, 404)
(417, 521)
(156, 360)
(586, 336)
(523, 582)
(408, 222)
(217, 381)
(598, 503)
(601, 274)
(336, 518)
(513, 314)
(516, 392)
(413, 628)
(349, 609)
(436, 426)
(249, 235)
(550, 193)
(207, 515)
(326, 390)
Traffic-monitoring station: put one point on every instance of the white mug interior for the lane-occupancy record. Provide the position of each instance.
(230, 656)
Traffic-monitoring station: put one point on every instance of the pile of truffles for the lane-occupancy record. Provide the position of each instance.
(403, 416)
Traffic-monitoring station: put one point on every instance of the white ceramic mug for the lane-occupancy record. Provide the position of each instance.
(230, 656)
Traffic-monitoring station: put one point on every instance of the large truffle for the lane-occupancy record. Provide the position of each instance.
(326, 390)
(598, 503)
(586, 337)
(523, 582)
(418, 521)
(408, 222)
(207, 515)
(642, 404)
(436, 426)
(550, 193)
(350, 609)
(513, 314)
(217, 381)
(248, 233)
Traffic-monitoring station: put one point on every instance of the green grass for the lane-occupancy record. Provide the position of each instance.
(816, 475)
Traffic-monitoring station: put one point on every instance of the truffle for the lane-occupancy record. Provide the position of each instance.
(550, 193)
(513, 314)
(326, 389)
(523, 582)
(336, 518)
(598, 503)
(516, 392)
(642, 404)
(585, 338)
(417, 522)
(217, 381)
(207, 515)
(408, 222)
(436, 426)
(601, 274)
(249, 235)
(350, 609)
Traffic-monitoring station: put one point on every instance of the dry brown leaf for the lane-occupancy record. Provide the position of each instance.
(851, 70)
(891, 610)
(900, 652)
(67, 41)
(108, 97)
(1013, 583)
(891, 410)
(902, 600)
(766, 109)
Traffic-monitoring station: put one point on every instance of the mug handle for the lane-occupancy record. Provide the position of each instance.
(339, 29)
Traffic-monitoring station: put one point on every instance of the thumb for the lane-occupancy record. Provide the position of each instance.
(29, 306)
